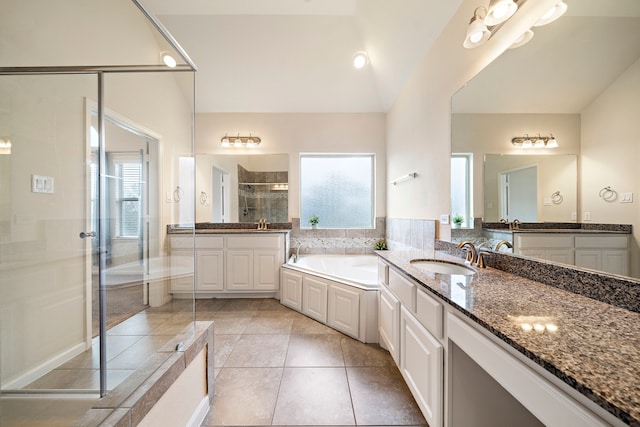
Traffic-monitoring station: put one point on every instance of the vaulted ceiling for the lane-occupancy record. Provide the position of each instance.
(295, 55)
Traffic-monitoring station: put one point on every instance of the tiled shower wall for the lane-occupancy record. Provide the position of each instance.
(338, 241)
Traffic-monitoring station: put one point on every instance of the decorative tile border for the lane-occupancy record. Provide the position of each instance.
(336, 241)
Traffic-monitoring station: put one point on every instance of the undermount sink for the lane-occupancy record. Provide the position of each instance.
(442, 267)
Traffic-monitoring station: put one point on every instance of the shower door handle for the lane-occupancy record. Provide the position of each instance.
(90, 234)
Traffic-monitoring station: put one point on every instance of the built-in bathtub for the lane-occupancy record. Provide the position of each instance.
(337, 290)
(354, 270)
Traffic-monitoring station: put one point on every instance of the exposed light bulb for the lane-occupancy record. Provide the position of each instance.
(552, 143)
(522, 40)
(499, 11)
(477, 32)
(552, 14)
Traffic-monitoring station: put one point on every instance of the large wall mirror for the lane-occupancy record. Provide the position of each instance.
(578, 79)
(242, 188)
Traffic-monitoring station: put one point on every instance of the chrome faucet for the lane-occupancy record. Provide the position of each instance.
(503, 243)
(472, 254)
(297, 255)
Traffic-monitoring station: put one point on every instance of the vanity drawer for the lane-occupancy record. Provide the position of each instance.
(209, 242)
(523, 241)
(404, 289)
(181, 242)
(430, 313)
(602, 242)
(255, 242)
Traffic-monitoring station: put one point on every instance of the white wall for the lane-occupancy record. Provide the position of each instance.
(482, 134)
(418, 127)
(610, 155)
(295, 133)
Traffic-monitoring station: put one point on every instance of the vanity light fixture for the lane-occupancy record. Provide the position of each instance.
(486, 21)
(360, 59)
(499, 11)
(552, 14)
(536, 142)
(477, 32)
(240, 141)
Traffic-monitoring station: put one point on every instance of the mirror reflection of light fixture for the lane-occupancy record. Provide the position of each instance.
(552, 14)
(5, 145)
(240, 141)
(168, 60)
(499, 11)
(360, 59)
(477, 32)
(537, 142)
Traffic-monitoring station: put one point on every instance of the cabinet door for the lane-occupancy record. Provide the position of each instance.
(344, 309)
(209, 270)
(181, 268)
(564, 256)
(389, 322)
(291, 293)
(615, 261)
(314, 299)
(266, 273)
(589, 258)
(422, 366)
(239, 270)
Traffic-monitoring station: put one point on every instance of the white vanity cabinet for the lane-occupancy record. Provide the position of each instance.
(410, 326)
(389, 322)
(604, 253)
(422, 366)
(547, 246)
(229, 263)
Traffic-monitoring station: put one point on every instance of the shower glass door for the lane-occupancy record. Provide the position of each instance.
(46, 235)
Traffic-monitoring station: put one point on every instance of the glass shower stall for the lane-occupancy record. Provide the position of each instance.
(95, 130)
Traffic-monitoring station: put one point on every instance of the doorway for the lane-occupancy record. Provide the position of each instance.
(519, 194)
(131, 189)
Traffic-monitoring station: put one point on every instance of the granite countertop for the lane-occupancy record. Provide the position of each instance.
(557, 231)
(591, 346)
(227, 231)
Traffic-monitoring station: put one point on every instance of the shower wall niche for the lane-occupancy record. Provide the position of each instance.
(263, 195)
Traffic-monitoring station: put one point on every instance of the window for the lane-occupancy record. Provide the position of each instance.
(127, 192)
(461, 198)
(338, 189)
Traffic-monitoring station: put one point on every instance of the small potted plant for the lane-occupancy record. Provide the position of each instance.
(457, 220)
(314, 220)
(380, 245)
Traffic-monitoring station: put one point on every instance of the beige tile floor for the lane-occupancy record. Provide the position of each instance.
(273, 367)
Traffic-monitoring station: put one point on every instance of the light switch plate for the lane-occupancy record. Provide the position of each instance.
(42, 184)
(444, 219)
(626, 197)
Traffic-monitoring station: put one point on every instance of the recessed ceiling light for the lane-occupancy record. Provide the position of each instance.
(360, 59)
(168, 60)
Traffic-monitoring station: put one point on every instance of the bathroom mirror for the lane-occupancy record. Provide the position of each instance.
(530, 188)
(241, 188)
(576, 79)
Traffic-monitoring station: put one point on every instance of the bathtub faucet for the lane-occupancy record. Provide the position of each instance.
(297, 255)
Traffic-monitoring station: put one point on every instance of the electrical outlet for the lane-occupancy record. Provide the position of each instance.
(586, 216)
(547, 201)
(626, 197)
(444, 219)
(169, 197)
(574, 216)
